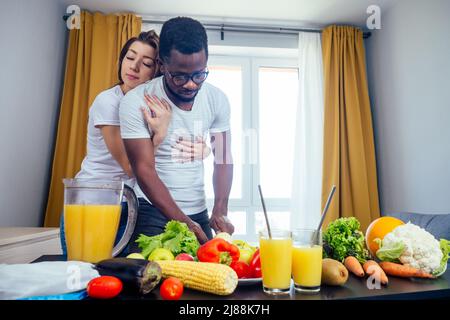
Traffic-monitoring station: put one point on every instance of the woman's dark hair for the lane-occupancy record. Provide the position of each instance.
(184, 34)
(151, 38)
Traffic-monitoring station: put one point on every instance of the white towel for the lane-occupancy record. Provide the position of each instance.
(19, 281)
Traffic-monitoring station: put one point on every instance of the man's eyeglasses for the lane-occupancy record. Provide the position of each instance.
(196, 77)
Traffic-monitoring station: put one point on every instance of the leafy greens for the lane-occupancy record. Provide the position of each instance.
(342, 238)
(176, 237)
(391, 254)
(445, 248)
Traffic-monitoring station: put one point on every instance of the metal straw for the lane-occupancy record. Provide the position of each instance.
(265, 212)
(325, 210)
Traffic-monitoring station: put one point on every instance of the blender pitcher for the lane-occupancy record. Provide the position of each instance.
(92, 210)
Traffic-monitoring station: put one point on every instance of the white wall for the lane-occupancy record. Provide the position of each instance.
(409, 81)
(33, 41)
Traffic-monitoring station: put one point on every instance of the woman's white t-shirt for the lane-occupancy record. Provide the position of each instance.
(99, 162)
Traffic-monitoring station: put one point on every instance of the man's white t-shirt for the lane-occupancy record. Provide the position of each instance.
(210, 114)
(99, 163)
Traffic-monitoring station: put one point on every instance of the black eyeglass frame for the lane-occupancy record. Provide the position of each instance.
(184, 78)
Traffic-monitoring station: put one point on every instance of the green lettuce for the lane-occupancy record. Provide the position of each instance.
(445, 248)
(342, 238)
(390, 253)
(176, 237)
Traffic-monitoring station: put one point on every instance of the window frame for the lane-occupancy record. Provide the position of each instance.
(256, 64)
(250, 202)
(246, 114)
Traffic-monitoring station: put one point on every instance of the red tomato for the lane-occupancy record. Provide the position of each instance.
(104, 287)
(242, 269)
(171, 289)
(255, 265)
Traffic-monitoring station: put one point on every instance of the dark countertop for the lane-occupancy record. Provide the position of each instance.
(355, 288)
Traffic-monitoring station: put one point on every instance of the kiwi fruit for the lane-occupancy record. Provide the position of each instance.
(334, 273)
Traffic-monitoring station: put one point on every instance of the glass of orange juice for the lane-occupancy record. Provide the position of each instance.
(276, 259)
(306, 260)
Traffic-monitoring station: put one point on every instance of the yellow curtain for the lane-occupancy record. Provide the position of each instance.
(91, 67)
(349, 152)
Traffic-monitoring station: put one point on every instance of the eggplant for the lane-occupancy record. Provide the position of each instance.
(137, 275)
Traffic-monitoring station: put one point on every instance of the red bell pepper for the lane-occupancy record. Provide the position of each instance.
(255, 265)
(218, 250)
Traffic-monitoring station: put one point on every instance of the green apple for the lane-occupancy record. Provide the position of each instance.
(245, 255)
(246, 251)
(161, 254)
(135, 256)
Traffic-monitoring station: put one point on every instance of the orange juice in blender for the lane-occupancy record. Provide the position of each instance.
(276, 258)
(92, 211)
(91, 231)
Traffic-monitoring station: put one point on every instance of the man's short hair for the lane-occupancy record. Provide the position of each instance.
(183, 34)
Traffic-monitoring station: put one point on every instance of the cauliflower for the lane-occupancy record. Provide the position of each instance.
(225, 236)
(413, 246)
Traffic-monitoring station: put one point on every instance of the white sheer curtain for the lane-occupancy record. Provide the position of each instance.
(307, 175)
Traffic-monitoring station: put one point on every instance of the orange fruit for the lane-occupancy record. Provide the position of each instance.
(378, 229)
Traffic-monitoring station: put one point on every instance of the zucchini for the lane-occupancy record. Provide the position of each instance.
(137, 275)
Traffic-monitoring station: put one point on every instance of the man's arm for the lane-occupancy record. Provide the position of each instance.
(222, 181)
(140, 153)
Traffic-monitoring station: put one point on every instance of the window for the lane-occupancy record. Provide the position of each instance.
(229, 79)
(277, 113)
(263, 99)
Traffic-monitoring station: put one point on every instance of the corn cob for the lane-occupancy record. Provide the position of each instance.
(214, 278)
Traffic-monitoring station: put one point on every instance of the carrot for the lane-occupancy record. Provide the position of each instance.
(371, 267)
(401, 270)
(353, 265)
